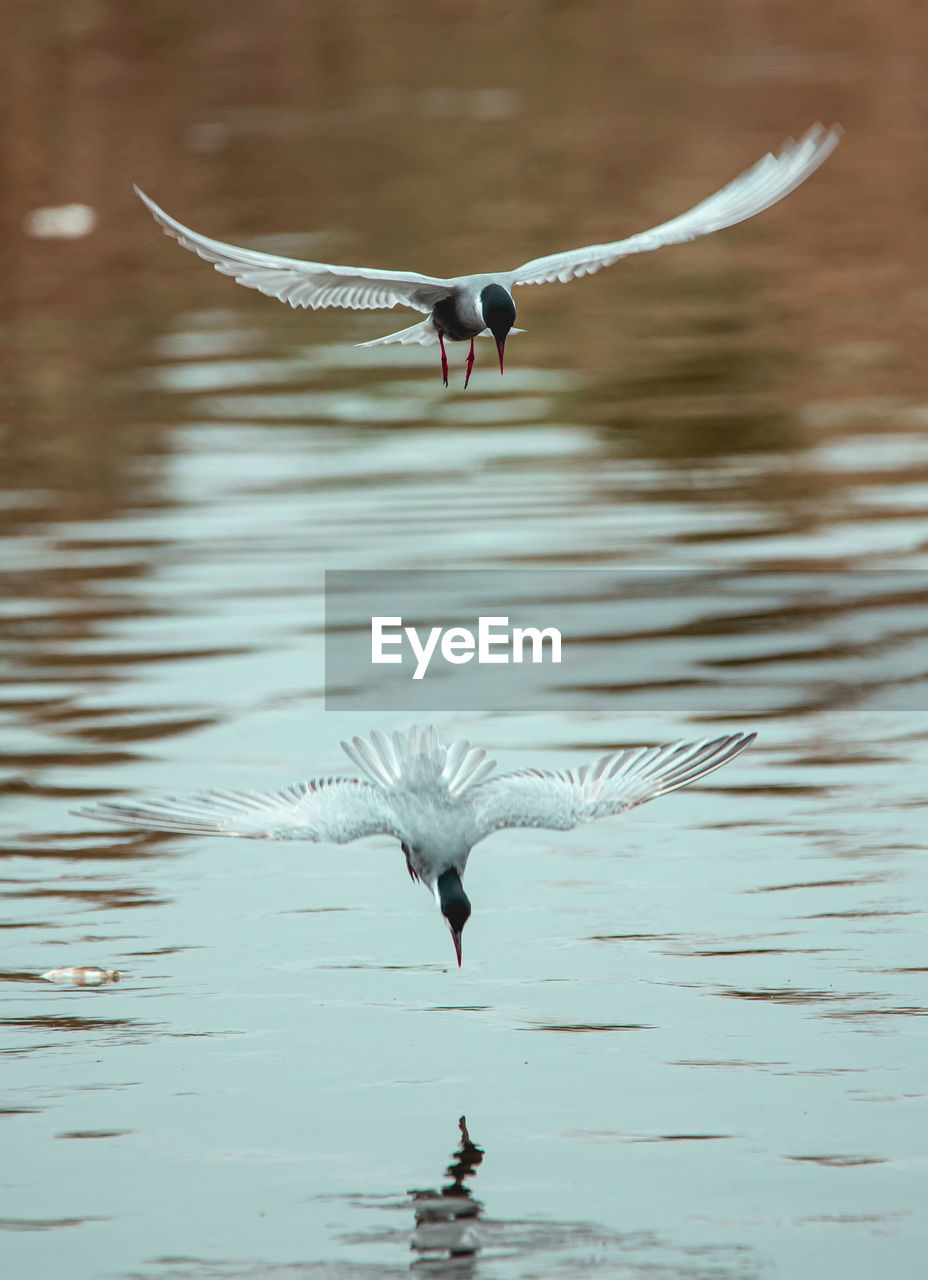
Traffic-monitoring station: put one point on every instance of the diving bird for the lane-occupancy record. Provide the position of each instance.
(466, 307)
(437, 801)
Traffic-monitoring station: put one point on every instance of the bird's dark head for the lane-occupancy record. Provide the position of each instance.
(455, 906)
(499, 311)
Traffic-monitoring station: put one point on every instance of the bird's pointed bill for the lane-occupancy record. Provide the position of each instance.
(500, 344)
(456, 939)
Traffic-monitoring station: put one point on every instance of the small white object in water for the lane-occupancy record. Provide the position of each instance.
(88, 975)
(60, 222)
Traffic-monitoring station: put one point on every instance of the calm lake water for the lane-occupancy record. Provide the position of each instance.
(689, 1044)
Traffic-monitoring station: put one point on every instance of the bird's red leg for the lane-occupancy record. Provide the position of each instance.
(470, 364)
(444, 358)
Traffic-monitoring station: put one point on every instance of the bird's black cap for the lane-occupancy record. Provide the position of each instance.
(455, 905)
(499, 310)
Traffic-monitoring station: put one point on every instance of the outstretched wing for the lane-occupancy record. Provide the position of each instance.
(612, 784)
(327, 809)
(307, 284)
(756, 189)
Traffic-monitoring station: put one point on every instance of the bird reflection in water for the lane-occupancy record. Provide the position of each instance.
(446, 1237)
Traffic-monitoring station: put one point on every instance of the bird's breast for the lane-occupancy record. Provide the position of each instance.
(457, 318)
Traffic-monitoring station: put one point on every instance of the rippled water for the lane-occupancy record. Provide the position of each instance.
(688, 1044)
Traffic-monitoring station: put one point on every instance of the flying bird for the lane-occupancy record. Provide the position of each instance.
(466, 307)
(437, 801)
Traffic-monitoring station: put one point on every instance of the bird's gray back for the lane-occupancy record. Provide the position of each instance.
(441, 829)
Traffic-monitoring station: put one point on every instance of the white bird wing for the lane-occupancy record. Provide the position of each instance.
(759, 187)
(307, 284)
(561, 800)
(335, 810)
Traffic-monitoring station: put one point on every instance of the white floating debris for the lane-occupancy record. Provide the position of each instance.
(60, 222)
(88, 975)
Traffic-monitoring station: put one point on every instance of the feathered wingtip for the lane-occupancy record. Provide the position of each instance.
(418, 758)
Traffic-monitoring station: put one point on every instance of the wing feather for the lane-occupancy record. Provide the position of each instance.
(335, 810)
(612, 784)
(306, 284)
(759, 187)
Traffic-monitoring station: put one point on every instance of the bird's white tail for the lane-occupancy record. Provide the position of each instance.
(424, 334)
(417, 758)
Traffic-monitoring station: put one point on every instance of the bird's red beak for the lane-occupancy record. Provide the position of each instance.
(456, 939)
(500, 344)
